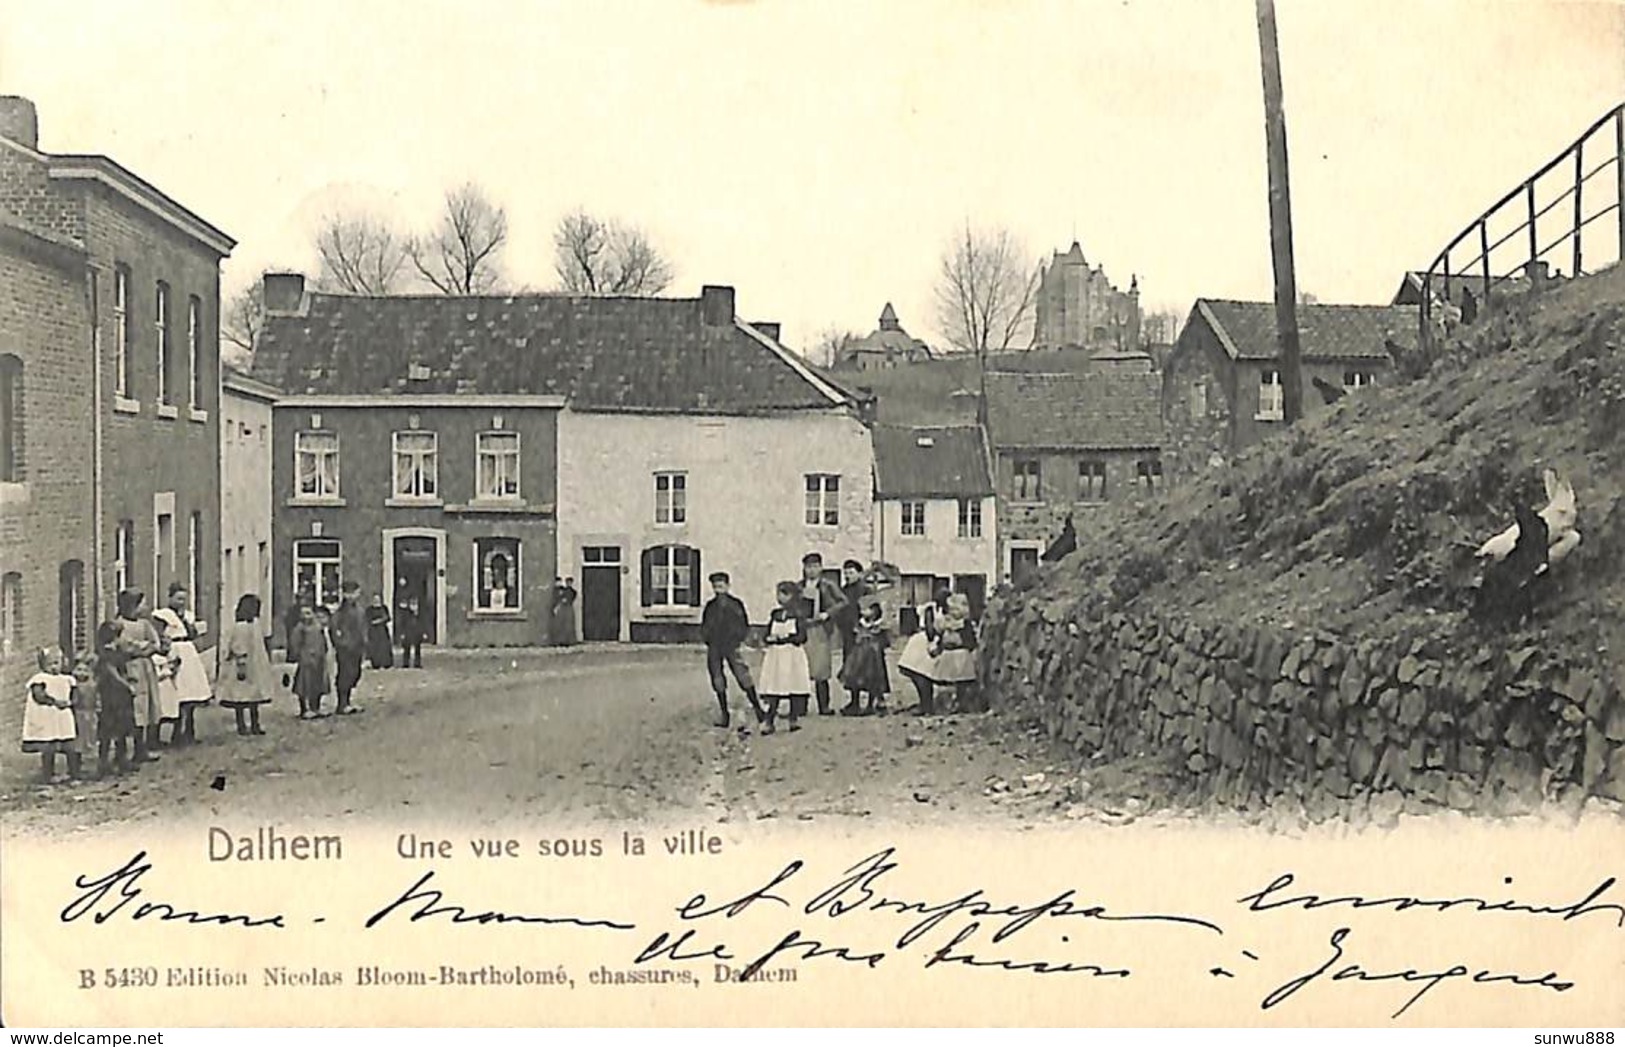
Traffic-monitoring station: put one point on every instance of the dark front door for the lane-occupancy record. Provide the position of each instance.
(601, 593)
(1023, 564)
(416, 571)
(974, 586)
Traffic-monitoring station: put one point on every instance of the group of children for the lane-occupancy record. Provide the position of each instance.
(144, 671)
(801, 630)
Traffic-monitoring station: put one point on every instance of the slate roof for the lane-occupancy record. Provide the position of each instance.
(1410, 288)
(1325, 332)
(606, 354)
(954, 466)
(1104, 410)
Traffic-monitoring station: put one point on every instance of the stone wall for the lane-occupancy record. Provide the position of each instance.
(1254, 713)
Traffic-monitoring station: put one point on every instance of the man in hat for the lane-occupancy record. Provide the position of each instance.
(823, 602)
(724, 626)
(349, 631)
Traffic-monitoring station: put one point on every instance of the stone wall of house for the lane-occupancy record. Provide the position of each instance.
(1251, 714)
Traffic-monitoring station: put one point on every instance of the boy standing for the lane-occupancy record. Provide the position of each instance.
(823, 603)
(724, 626)
(349, 645)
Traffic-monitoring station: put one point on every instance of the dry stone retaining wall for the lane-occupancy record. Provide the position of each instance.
(1253, 713)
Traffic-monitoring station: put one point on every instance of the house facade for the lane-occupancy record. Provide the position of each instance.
(110, 314)
(472, 451)
(1065, 444)
(1222, 383)
(935, 516)
(245, 491)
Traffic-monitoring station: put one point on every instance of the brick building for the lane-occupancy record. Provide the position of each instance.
(108, 313)
(1064, 444)
(1222, 382)
(472, 450)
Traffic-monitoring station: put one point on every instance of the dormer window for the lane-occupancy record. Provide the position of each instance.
(417, 373)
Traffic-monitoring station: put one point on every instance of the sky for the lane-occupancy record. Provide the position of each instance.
(818, 155)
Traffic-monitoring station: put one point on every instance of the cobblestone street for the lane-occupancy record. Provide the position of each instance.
(592, 734)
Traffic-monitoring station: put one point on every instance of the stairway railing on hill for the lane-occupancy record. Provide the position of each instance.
(1451, 280)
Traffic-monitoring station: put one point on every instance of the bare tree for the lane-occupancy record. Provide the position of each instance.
(1160, 327)
(243, 318)
(594, 256)
(985, 291)
(360, 254)
(463, 254)
(826, 350)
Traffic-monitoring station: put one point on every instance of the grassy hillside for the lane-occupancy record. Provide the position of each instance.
(1364, 520)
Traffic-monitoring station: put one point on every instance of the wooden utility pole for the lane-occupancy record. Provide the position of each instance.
(1286, 290)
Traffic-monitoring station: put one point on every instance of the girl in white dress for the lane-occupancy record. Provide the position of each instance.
(916, 661)
(191, 687)
(48, 726)
(784, 667)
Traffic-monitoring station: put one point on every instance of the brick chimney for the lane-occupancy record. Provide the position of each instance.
(717, 305)
(767, 327)
(284, 292)
(19, 121)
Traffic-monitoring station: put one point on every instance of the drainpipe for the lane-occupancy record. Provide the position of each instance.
(92, 292)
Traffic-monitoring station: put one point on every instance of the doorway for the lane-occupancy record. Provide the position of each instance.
(417, 570)
(601, 593)
(974, 586)
(1023, 564)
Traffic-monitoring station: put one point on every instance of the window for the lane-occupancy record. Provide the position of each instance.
(11, 615)
(1149, 472)
(123, 344)
(823, 500)
(417, 465)
(496, 466)
(1091, 480)
(11, 419)
(914, 519)
(163, 556)
(124, 555)
(970, 518)
(194, 552)
(671, 576)
(671, 498)
(316, 464)
(317, 562)
(194, 351)
(1269, 397)
(1029, 477)
(1198, 401)
(496, 574)
(1023, 562)
(72, 621)
(160, 325)
(1358, 379)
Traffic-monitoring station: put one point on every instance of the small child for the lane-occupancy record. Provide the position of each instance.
(955, 654)
(115, 721)
(84, 703)
(864, 674)
(310, 676)
(784, 667)
(48, 726)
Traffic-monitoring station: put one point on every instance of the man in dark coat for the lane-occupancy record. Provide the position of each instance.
(854, 588)
(349, 630)
(724, 626)
(823, 602)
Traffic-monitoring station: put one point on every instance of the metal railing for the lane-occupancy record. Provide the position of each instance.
(1446, 285)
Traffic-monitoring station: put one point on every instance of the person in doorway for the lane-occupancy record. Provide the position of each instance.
(190, 679)
(724, 626)
(564, 612)
(310, 676)
(244, 681)
(822, 602)
(784, 667)
(409, 631)
(349, 646)
(380, 647)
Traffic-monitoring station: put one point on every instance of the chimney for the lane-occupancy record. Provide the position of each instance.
(19, 121)
(284, 292)
(1538, 272)
(717, 305)
(767, 327)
